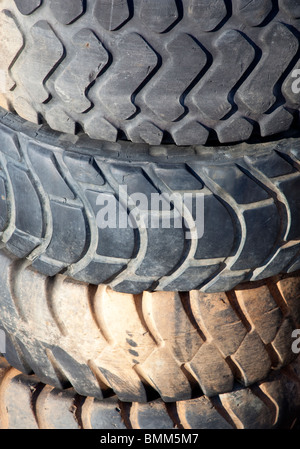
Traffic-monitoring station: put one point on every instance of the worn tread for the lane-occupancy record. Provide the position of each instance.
(26, 403)
(189, 85)
(47, 181)
(174, 345)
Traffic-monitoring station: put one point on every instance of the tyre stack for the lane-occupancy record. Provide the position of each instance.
(149, 214)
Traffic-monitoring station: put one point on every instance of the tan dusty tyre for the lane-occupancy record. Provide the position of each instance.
(164, 344)
(26, 403)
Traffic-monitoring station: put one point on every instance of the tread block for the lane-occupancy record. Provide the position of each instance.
(32, 71)
(116, 369)
(102, 414)
(128, 332)
(257, 93)
(144, 132)
(127, 52)
(84, 169)
(165, 98)
(165, 262)
(152, 415)
(91, 58)
(278, 264)
(27, 220)
(179, 178)
(67, 11)
(237, 126)
(276, 122)
(254, 253)
(84, 382)
(215, 213)
(168, 320)
(58, 120)
(254, 13)
(27, 6)
(195, 132)
(111, 14)
(46, 167)
(251, 359)
(289, 289)
(212, 97)
(18, 391)
(210, 370)
(217, 318)
(243, 189)
(132, 287)
(98, 273)
(290, 7)
(271, 165)
(283, 341)
(155, 17)
(11, 43)
(207, 14)
(55, 409)
(135, 180)
(257, 416)
(113, 226)
(200, 414)
(264, 314)
(191, 278)
(10, 142)
(163, 372)
(69, 242)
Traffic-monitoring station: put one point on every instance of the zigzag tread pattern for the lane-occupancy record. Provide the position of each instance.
(153, 72)
(164, 342)
(26, 403)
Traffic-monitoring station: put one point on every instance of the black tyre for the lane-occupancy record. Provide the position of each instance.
(53, 190)
(26, 403)
(153, 71)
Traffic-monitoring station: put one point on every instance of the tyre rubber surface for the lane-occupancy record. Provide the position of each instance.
(26, 403)
(53, 189)
(187, 72)
(172, 345)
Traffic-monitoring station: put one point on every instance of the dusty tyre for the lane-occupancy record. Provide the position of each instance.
(187, 72)
(26, 403)
(172, 345)
(73, 207)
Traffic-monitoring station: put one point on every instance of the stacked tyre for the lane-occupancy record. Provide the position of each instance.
(150, 211)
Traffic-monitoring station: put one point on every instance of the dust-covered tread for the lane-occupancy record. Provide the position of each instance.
(207, 70)
(26, 403)
(47, 181)
(173, 344)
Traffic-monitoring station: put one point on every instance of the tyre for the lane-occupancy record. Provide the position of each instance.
(108, 213)
(26, 403)
(185, 72)
(176, 346)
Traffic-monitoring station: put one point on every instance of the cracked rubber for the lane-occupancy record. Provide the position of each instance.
(176, 71)
(53, 191)
(176, 346)
(26, 403)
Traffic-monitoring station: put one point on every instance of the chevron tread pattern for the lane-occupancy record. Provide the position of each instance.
(175, 345)
(26, 403)
(179, 71)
